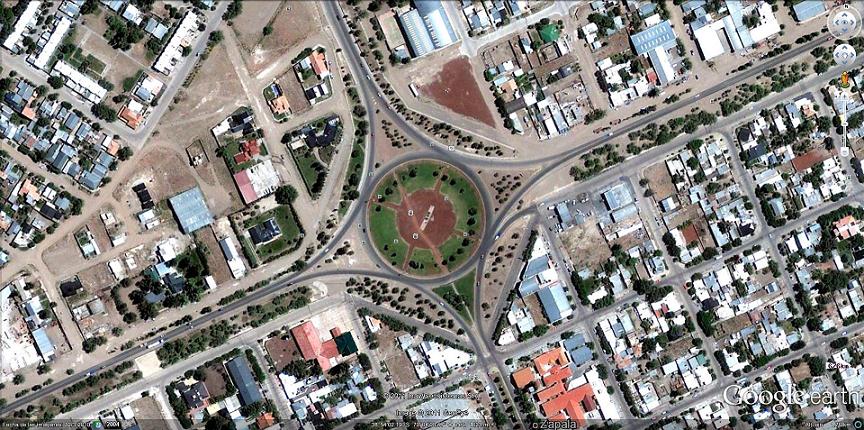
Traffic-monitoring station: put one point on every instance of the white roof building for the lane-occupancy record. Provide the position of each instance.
(186, 33)
(27, 19)
(709, 40)
(235, 263)
(82, 84)
(61, 27)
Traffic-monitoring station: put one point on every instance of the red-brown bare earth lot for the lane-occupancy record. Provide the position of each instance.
(455, 88)
(415, 208)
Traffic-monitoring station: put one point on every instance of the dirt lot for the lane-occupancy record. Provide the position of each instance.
(585, 245)
(118, 64)
(215, 379)
(659, 181)
(168, 173)
(282, 350)
(64, 257)
(148, 414)
(213, 95)
(255, 16)
(455, 88)
(215, 258)
(395, 359)
(96, 278)
(294, 22)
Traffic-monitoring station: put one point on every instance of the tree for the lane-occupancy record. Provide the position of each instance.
(218, 422)
(216, 37)
(286, 194)
(268, 30)
(124, 153)
(18, 379)
(55, 82)
(103, 112)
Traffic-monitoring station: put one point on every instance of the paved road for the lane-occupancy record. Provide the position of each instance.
(368, 91)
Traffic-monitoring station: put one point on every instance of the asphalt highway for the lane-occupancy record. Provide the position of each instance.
(369, 94)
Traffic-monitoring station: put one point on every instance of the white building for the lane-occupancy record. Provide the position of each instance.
(50, 43)
(25, 21)
(172, 55)
(82, 84)
(235, 263)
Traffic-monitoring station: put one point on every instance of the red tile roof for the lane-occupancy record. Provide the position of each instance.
(810, 159)
(308, 340)
(574, 403)
(244, 184)
(523, 377)
(311, 347)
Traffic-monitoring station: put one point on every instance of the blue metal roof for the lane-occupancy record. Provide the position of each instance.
(554, 302)
(659, 35)
(241, 375)
(43, 343)
(808, 9)
(191, 210)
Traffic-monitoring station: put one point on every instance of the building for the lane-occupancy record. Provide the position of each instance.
(50, 43)
(808, 9)
(312, 348)
(427, 27)
(265, 232)
(191, 210)
(148, 89)
(133, 114)
(658, 36)
(241, 375)
(235, 263)
(25, 21)
(257, 181)
(82, 84)
(185, 34)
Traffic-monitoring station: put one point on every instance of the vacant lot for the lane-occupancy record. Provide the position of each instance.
(585, 245)
(148, 414)
(294, 22)
(659, 181)
(455, 88)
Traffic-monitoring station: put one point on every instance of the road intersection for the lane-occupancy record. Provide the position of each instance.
(491, 358)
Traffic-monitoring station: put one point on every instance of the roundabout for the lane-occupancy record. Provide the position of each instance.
(425, 218)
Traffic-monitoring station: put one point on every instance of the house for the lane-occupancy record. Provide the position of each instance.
(191, 210)
(235, 263)
(148, 89)
(265, 232)
(257, 181)
(196, 396)
(156, 28)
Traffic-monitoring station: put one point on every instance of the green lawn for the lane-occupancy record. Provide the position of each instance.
(460, 295)
(453, 253)
(313, 172)
(290, 238)
(425, 262)
(386, 185)
(465, 286)
(382, 225)
(464, 198)
(418, 176)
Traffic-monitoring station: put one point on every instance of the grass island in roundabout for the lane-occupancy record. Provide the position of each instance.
(425, 218)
